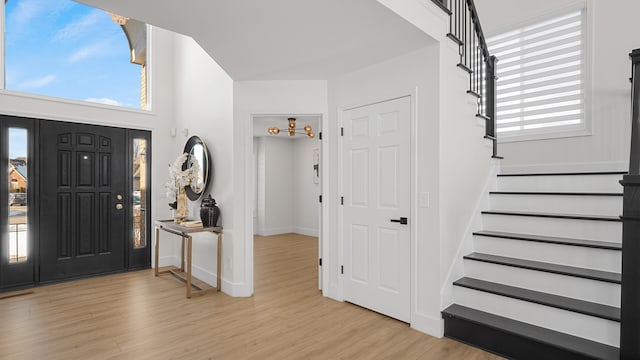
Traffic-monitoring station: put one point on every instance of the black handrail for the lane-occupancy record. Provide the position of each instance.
(465, 30)
(630, 292)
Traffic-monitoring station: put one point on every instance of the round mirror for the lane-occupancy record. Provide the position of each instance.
(200, 163)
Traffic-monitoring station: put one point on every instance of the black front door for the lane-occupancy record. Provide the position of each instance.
(83, 207)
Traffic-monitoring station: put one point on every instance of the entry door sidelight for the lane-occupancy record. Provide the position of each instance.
(17, 199)
(139, 185)
(83, 203)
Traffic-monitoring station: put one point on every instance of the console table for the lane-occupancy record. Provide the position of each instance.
(184, 273)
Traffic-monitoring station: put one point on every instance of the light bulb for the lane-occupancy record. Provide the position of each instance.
(307, 128)
(311, 134)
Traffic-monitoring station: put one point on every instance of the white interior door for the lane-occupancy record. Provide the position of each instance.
(376, 185)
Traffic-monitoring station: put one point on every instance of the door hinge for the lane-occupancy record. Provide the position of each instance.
(341, 131)
(320, 198)
(341, 200)
(320, 262)
(320, 135)
(341, 269)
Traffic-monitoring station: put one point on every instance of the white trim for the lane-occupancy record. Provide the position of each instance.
(456, 270)
(413, 230)
(565, 167)
(306, 231)
(273, 231)
(428, 325)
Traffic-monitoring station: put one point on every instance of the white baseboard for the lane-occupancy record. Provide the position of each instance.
(565, 167)
(229, 288)
(428, 325)
(306, 231)
(274, 231)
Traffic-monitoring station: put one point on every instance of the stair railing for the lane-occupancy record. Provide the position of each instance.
(630, 293)
(465, 30)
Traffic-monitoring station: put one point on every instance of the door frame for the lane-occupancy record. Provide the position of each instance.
(323, 229)
(413, 209)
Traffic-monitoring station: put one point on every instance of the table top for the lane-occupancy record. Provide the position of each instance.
(171, 225)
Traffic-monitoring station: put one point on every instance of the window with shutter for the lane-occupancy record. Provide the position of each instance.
(541, 78)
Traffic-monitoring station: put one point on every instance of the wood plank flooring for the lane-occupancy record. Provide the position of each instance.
(137, 316)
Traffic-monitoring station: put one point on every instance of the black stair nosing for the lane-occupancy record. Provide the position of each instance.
(536, 333)
(537, 297)
(485, 117)
(497, 157)
(465, 68)
(474, 94)
(455, 39)
(566, 173)
(553, 215)
(554, 193)
(552, 240)
(442, 7)
(598, 275)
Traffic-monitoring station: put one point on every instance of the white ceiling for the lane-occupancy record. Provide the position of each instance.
(282, 39)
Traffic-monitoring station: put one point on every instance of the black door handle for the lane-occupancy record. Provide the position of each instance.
(402, 220)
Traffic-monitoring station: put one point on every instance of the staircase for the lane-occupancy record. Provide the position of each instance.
(544, 279)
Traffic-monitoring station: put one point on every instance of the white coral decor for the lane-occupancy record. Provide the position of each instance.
(179, 178)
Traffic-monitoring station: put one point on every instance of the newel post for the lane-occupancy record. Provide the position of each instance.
(630, 299)
(491, 127)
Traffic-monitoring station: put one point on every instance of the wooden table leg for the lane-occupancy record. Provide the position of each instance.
(157, 249)
(189, 248)
(219, 272)
(182, 255)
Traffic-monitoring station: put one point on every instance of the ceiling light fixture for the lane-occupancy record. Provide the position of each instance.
(292, 131)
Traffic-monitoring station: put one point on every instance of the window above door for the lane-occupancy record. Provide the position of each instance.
(67, 50)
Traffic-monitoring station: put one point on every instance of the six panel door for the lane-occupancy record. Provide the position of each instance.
(376, 184)
(82, 202)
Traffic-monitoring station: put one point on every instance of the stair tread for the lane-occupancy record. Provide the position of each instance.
(552, 240)
(558, 193)
(598, 275)
(573, 343)
(542, 298)
(567, 173)
(455, 39)
(553, 215)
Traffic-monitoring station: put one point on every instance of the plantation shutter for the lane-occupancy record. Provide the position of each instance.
(541, 76)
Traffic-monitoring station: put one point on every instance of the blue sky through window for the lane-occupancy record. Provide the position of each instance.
(69, 50)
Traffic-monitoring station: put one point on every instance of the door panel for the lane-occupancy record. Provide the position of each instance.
(376, 179)
(82, 225)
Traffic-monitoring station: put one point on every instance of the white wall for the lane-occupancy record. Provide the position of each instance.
(305, 190)
(159, 120)
(203, 98)
(275, 186)
(287, 195)
(612, 39)
(255, 98)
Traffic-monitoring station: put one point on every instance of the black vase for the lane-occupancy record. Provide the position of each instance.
(209, 212)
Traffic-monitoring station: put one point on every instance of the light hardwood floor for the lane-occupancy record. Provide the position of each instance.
(137, 316)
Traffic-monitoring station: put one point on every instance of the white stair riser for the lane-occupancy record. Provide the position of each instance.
(578, 288)
(559, 204)
(575, 183)
(585, 326)
(583, 257)
(571, 228)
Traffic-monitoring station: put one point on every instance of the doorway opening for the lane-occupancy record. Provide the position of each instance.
(286, 190)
